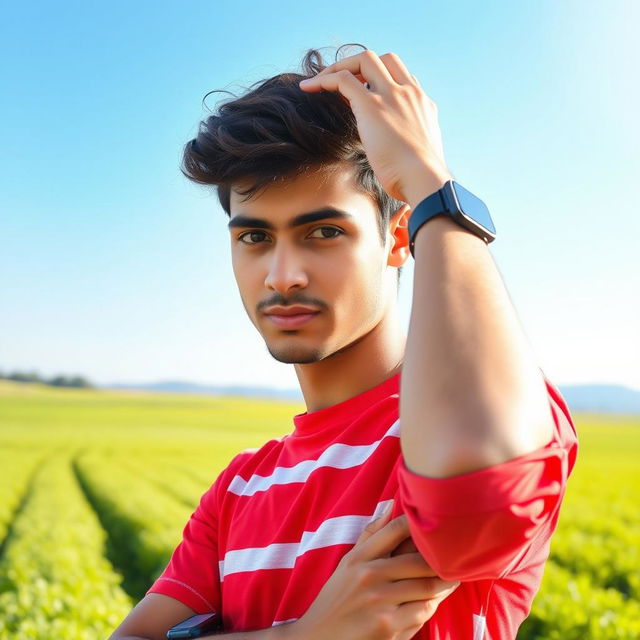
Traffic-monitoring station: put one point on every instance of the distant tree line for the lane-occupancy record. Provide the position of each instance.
(54, 381)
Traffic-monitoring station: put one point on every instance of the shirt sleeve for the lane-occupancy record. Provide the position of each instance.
(480, 525)
(192, 575)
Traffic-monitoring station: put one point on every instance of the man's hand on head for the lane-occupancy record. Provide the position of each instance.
(397, 122)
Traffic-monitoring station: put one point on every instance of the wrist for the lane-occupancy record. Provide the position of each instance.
(421, 181)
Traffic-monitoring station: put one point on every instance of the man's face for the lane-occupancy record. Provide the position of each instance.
(336, 265)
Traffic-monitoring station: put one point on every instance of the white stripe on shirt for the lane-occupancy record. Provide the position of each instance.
(277, 622)
(337, 456)
(283, 555)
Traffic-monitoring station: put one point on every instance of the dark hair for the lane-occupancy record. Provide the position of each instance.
(276, 130)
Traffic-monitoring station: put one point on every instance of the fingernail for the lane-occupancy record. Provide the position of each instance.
(387, 510)
(305, 80)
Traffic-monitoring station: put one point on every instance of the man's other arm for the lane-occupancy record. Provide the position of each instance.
(156, 613)
(380, 589)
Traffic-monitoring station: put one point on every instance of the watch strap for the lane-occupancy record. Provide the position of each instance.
(426, 209)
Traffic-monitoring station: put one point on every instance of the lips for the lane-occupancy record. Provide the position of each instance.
(291, 317)
(290, 311)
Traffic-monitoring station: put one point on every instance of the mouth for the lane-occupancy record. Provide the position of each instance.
(291, 321)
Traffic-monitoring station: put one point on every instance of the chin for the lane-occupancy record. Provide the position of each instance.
(296, 354)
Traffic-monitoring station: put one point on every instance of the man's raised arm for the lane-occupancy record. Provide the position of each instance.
(472, 394)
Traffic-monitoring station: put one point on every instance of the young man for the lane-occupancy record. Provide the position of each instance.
(454, 426)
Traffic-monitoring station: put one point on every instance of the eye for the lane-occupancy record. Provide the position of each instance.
(249, 233)
(339, 232)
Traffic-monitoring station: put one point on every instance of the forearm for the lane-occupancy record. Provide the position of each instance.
(472, 394)
(286, 631)
(262, 634)
(279, 632)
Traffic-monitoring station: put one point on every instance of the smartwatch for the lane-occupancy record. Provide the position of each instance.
(460, 205)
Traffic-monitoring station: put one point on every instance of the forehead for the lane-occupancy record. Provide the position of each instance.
(327, 187)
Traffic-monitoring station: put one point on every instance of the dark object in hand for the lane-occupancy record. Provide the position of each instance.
(195, 626)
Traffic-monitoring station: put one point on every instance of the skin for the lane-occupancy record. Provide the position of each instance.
(357, 340)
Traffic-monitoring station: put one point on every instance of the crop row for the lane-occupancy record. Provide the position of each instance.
(570, 606)
(143, 522)
(54, 579)
(169, 480)
(17, 469)
(611, 561)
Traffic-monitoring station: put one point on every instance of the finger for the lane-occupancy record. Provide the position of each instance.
(397, 68)
(419, 589)
(342, 81)
(406, 546)
(403, 567)
(376, 523)
(384, 541)
(414, 614)
(361, 80)
(367, 64)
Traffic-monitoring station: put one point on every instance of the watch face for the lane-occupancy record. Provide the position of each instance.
(473, 207)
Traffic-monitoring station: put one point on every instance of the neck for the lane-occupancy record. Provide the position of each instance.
(365, 363)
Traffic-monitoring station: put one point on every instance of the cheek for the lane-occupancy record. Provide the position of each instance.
(247, 287)
(356, 292)
(367, 267)
(243, 273)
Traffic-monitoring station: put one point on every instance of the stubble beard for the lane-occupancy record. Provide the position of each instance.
(296, 354)
(292, 354)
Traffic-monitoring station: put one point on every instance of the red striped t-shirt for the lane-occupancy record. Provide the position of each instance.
(272, 528)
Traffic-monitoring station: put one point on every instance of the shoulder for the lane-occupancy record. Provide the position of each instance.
(251, 457)
(242, 463)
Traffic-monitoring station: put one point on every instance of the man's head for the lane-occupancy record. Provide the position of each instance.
(278, 152)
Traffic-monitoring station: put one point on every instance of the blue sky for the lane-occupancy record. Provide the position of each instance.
(113, 265)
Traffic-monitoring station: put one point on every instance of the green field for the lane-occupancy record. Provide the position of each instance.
(96, 487)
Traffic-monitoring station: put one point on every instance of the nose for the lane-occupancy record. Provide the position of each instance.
(286, 270)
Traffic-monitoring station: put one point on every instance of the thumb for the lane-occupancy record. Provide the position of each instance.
(376, 524)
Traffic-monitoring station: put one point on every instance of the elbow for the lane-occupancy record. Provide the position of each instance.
(473, 432)
(447, 458)
(454, 449)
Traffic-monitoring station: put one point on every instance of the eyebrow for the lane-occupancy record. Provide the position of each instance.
(303, 218)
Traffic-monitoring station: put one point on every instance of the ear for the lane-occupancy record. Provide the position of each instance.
(399, 232)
